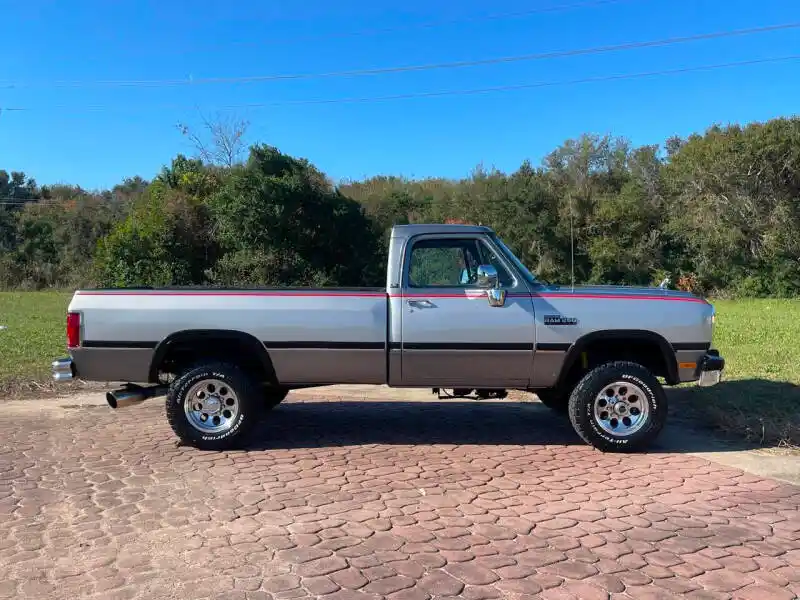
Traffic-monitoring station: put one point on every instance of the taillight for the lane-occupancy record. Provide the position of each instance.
(73, 330)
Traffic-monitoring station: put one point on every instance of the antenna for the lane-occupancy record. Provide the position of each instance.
(571, 243)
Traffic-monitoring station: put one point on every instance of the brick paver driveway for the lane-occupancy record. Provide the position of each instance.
(376, 499)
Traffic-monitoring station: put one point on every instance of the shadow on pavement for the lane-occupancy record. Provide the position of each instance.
(327, 423)
(312, 424)
(737, 415)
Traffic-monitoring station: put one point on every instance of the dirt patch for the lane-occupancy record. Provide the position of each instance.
(30, 389)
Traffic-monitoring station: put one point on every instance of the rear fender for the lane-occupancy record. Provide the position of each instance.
(195, 338)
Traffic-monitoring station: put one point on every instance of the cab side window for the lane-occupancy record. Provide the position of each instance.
(443, 263)
(451, 263)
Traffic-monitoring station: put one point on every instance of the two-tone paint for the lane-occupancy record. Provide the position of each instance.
(397, 335)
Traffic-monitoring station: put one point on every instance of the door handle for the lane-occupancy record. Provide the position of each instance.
(419, 303)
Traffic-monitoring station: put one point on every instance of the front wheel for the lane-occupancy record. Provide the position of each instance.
(618, 407)
(213, 407)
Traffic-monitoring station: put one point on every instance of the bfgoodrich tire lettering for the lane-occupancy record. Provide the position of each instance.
(583, 398)
(248, 406)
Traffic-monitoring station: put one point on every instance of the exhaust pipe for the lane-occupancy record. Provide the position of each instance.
(133, 394)
(123, 398)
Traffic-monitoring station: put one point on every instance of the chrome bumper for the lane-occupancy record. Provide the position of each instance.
(709, 369)
(63, 369)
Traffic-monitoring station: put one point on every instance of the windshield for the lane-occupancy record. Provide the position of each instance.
(530, 277)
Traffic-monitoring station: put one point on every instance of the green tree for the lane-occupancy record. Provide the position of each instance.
(718, 211)
(280, 222)
(168, 237)
(734, 207)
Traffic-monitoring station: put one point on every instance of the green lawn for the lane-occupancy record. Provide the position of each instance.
(759, 398)
(759, 338)
(36, 335)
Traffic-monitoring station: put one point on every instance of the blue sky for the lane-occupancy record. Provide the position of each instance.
(131, 130)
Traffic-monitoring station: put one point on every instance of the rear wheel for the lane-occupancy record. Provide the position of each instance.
(618, 407)
(213, 406)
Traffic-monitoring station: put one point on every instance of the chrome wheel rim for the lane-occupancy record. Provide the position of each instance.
(621, 409)
(211, 406)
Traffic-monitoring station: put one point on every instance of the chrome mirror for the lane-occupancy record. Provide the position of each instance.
(487, 277)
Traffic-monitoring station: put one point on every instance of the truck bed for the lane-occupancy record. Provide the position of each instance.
(341, 331)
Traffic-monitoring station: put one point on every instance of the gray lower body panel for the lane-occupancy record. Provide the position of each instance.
(436, 368)
(395, 375)
(112, 364)
(547, 366)
(467, 368)
(292, 365)
(329, 366)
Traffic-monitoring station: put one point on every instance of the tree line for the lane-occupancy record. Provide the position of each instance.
(718, 213)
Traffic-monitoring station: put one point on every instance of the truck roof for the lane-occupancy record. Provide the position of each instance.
(418, 229)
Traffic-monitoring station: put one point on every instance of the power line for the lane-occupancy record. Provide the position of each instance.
(417, 68)
(523, 86)
(60, 200)
(442, 93)
(11, 201)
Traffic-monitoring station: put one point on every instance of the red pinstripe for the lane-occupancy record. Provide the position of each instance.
(335, 294)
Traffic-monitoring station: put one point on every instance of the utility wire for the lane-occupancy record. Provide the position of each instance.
(435, 94)
(11, 201)
(35, 201)
(414, 68)
(58, 201)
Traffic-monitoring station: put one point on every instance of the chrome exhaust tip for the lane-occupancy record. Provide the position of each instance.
(63, 369)
(123, 398)
(133, 394)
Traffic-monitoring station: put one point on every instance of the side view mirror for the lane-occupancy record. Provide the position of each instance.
(487, 276)
(488, 280)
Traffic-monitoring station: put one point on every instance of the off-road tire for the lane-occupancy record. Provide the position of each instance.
(274, 396)
(581, 406)
(249, 400)
(554, 400)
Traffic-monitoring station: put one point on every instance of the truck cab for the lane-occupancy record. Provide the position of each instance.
(444, 330)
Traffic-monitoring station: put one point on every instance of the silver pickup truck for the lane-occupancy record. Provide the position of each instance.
(459, 311)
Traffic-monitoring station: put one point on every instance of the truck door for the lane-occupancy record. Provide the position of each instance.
(451, 336)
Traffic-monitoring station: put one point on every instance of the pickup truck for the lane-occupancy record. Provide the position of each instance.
(459, 311)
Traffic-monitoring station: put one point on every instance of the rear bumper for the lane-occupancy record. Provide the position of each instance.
(63, 369)
(710, 368)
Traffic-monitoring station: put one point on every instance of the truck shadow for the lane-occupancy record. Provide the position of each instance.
(735, 415)
(718, 419)
(314, 424)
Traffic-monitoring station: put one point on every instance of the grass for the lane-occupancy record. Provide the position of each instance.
(759, 398)
(758, 338)
(35, 335)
